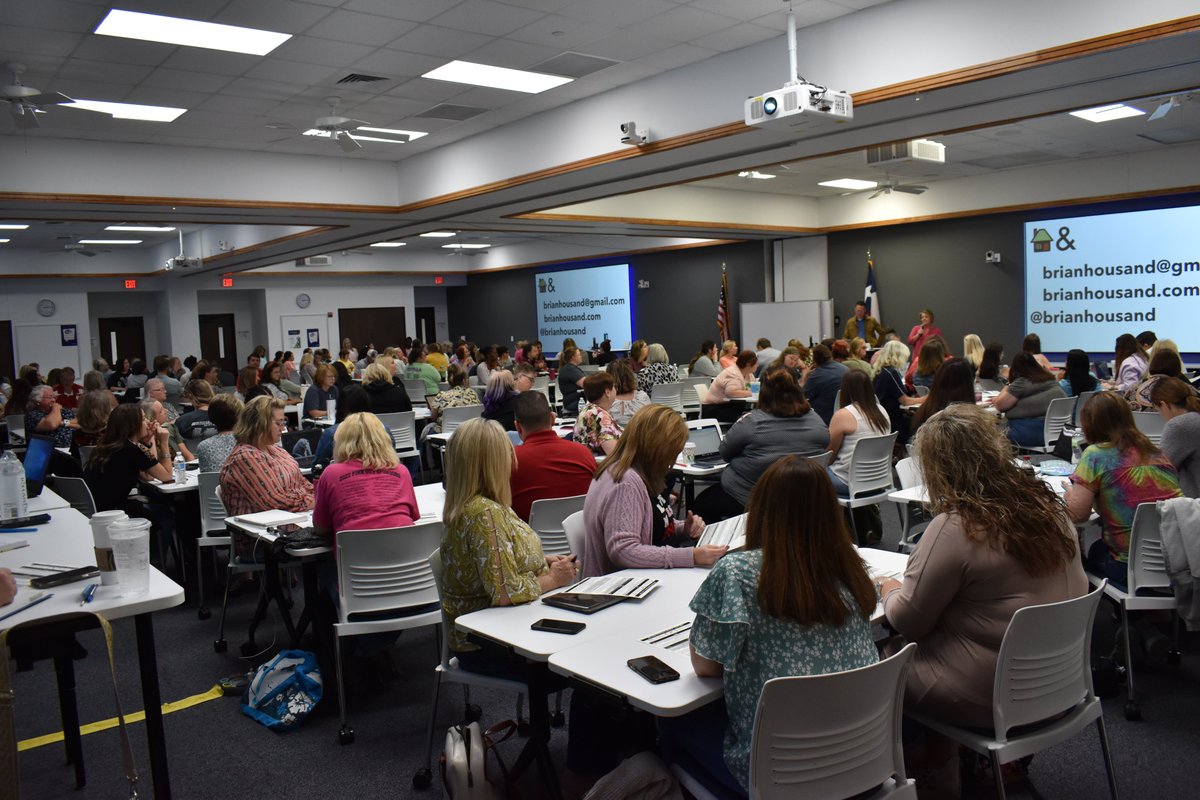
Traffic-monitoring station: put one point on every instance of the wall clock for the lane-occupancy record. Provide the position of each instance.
(303, 300)
(46, 308)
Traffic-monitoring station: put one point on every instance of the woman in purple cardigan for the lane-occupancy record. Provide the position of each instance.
(623, 529)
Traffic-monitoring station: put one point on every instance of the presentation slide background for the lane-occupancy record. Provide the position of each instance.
(584, 304)
(1097, 277)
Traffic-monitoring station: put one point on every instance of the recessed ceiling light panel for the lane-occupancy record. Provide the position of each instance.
(853, 184)
(389, 244)
(1107, 113)
(455, 246)
(140, 228)
(515, 80)
(438, 234)
(129, 110)
(5, 241)
(110, 241)
(189, 32)
(12, 226)
(754, 174)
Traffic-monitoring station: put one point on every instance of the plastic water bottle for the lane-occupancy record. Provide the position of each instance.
(978, 392)
(180, 469)
(1076, 449)
(13, 501)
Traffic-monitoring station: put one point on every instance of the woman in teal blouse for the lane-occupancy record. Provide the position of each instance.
(796, 601)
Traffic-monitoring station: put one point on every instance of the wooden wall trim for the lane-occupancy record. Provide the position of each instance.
(188, 202)
(273, 242)
(677, 223)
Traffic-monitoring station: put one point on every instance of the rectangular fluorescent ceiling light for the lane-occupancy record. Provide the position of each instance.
(437, 234)
(360, 138)
(515, 80)
(389, 244)
(129, 110)
(5, 241)
(140, 228)
(189, 32)
(849, 183)
(110, 241)
(12, 227)
(455, 246)
(756, 175)
(1107, 113)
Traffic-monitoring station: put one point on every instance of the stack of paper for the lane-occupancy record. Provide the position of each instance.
(273, 519)
(730, 532)
(615, 586)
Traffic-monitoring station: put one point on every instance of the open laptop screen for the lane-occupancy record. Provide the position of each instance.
(706, 439)
(37, 462)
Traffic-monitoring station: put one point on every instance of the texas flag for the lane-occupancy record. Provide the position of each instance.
(871, 295)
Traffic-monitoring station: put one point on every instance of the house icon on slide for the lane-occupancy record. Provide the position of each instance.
(1041, 240)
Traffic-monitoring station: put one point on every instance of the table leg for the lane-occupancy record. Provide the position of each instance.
(152, 700)
(537, 748)
(64, 670)
(309, 572)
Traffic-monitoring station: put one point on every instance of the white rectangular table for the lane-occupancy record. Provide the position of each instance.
(67, 539)
(47, 500)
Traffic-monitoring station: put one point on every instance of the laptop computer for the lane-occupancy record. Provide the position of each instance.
(708, 444)
(37, 463)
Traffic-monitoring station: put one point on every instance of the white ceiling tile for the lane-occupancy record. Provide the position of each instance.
(618, 13)
(193, 9)
(860, 4)
(158, 96)
(484, 16)
(53, 14)
(264, 90)
(425, 89)
(735, 38)
(628, 45)
(483, 97)
(15, 39)
(82, 69)
(124, 51)
(388, 107)
(513, 54)
(813, 12)
(232, 104)
(415, 10)
(678, 56)
(349, 26)
(193, 59)
(283, 16)
(186, 81)
(84, 89)
(562, 32)
(684, 24)
(321, 51)
(389, 63)
(443, 42)
(293, 71)
(547, 6)
(740, 9)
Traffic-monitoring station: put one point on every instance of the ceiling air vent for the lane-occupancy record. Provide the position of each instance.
(355, 77)
(315, 261)
(907, 152)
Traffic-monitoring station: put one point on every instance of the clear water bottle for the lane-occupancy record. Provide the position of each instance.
(978, 392)
(1076, 448)
(180, 468)
(13, 501)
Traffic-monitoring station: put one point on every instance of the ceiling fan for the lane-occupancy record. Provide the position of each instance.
(26, 102)
(888, 186)
(333, 126)
(79, 250)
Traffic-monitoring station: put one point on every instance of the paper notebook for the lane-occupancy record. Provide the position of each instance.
(629, 587)
(271, 519)
(730, 532)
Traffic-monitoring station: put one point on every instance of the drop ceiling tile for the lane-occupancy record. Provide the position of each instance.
(158, 96)
(678, 56)
(487, 17)
(737, 37)
(321, 51)
(349, 26)
(741, 9)
(264, 90)
(434, 40)
(194, 59)
(813, 12)
(547, 6)
(683, 24)
(82, 69)
(415, 10)
(165, 78)
(194, 9)
(14, 39)
(392, 108)
(513, 54)
(282, 16)
(555, 30)
(81, 88)
(618, 13)
(276, 69)
(483, 97)
(628, 45)
(390, 63)
(55, 15)
(425, 89)
(232, 104)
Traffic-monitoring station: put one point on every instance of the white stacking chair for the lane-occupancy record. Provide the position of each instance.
(234, 566)
(416, 389)
(692, 399)
(574, 529)
(541, 383)
(473, 380)
(385, 583)
(451, 418)
(845, 743)
(589, 369)
(669, 395)
(403, 425)
(448, 670)
(908, 471)
(76, 492)
(212, 529)
(546, 518)
(870, 474)
(479, 391)
(443, 386)
(1147, 571)
(822, 459)
(1151, 424)
(1080, 402)
(922, 391)
(1042, 693)
(16, 428)
(1058, 415)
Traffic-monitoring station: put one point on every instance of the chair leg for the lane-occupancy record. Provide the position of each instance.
(1109, 771)
(219, 645)
(1132, 712)
(201, 609)
(997, 776)
(424, 776)
(341, 679)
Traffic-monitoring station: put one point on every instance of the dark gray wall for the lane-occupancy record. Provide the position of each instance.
(679, 309)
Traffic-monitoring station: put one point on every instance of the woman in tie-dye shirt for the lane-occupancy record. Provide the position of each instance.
(1117, 472)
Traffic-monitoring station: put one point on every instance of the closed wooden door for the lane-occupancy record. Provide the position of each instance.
(218, 341)
(379, 326)
(426, 324)
(122, 337)
(8, 361)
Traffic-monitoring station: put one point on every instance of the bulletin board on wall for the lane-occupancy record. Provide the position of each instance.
(298, 331)
(49, 346)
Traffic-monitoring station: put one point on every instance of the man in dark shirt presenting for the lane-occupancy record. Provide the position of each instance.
(547, 466)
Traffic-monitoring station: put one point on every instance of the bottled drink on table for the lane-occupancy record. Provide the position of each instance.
(180, 468)
(13, 500)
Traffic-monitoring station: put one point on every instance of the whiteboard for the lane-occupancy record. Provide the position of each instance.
(42, 344)
(795, 319)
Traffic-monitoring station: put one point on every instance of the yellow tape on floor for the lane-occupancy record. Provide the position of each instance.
(137, 716)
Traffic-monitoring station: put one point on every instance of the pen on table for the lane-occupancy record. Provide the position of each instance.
(33, 601)
(88, 593)
(18, 530)
(4, 548)
(49, 566)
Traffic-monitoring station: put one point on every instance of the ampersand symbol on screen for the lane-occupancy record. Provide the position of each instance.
(1063, 242)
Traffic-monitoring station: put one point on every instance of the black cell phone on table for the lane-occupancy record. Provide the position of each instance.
(558, 626)
(653, 669)
(59, 578)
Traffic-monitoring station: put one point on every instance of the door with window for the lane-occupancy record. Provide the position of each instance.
(122, 337)
(426, 324)
(218, 341)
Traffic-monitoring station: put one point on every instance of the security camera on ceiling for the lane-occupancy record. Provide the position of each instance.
(800, 106)
(631, 134)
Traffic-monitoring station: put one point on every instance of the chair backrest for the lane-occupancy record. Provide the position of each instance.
(1080, 402)
(1147, 564)
(479, 391)
(1058, 415)
(212, 510)
(403, 425)
(386, 570)
(922, 391)
(76, 492)
(589, 369)
(846, 741)
(546, 518)
(701, 391)
(668, 394)
(871, 464)
(1044, 667)
(436, 569)
(416, 389)
(16, 426)
(453, 417)
(541, 383)
(822, 458)
(908, 471)
(515, 438)
(473, 380)
(574, 529)
(1150, 423)
(85, 452)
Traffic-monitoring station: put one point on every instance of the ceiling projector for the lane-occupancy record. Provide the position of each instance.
(179, 262)
(799, 108)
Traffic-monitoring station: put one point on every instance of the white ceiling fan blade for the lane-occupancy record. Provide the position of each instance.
(1163, 109)
(911, 188)
(347, 143)
(48, 99)
(878, 192)
(25, 116)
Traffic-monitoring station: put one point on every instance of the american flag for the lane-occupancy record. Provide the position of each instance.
(723, 307)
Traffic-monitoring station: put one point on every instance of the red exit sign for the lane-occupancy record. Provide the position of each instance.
(130, 283)
(437, 279)
(226, 282)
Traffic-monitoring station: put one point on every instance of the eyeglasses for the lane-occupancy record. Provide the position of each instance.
(280, 423)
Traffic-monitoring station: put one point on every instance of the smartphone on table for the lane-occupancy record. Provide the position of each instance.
(653, 669)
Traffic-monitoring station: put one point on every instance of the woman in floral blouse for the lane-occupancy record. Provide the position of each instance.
(658, 369)
(595, 426)
(489, 556)
(752, 625)
(457, 396)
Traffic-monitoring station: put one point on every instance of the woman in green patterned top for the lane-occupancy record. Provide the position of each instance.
(796, 601)
(489, 556)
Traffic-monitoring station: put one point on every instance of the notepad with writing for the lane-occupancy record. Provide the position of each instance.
(271, 519)
(730, 533)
